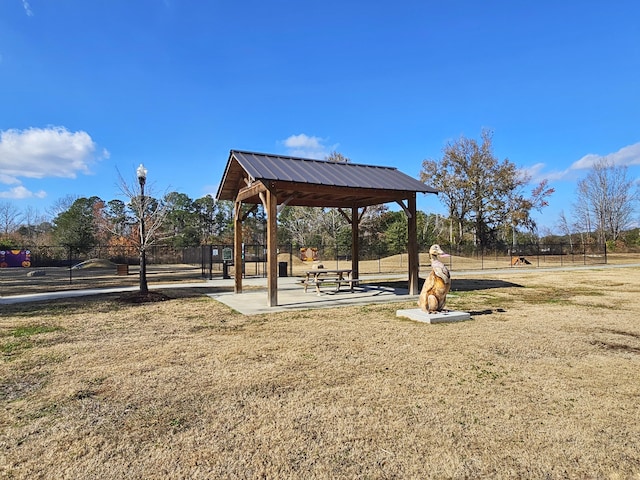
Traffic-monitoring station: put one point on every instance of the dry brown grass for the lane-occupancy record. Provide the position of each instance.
(543, 382)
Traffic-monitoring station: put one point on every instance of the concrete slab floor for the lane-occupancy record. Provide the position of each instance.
(291, 296)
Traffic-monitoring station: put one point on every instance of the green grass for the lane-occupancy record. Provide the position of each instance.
(10, 349)
(28, 330)
(18, 339)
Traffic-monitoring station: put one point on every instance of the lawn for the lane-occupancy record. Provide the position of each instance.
(543, 382)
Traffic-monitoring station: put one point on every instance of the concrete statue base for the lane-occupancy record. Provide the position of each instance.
(440, 317)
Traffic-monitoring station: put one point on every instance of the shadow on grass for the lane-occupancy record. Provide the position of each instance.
(458, 285)
(469, 285)
(486, 311)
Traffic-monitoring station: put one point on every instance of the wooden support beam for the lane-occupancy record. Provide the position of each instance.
(250, 191)
(284, 204)
(344, 214)
(248, 212)
(404, 207)
(263, 199)
(331, 191)
(237, 246)
(355, 244)
(412, 247)
(364, 209)
(272, 248)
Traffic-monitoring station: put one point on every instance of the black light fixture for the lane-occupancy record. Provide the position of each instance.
(142, 179)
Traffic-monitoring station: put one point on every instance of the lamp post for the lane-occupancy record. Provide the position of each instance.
(142, 178)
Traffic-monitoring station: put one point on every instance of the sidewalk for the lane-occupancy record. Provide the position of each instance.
(253, 300)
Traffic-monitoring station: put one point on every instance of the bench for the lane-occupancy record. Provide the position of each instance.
(319, 281)
(350, 281)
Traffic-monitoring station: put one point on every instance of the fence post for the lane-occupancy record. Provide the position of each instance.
(210, 249)
(70, 266)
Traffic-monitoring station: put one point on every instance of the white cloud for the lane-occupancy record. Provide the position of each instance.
(534, 171)
(27, 8)
(629, 155)
(20, 192)
(308, 147)
(45, 152)
(537, 173)
(7, 180)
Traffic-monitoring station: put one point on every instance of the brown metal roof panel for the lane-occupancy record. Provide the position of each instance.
(252, 164)
(272, 167)
(400, 181)
(320, 173)
(275, 167)
(261, 166)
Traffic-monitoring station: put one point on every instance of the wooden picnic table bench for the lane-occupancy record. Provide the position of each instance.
(316, 278)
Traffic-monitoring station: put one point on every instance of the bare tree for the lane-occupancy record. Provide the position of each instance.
(32, 226)
(303, 224)
(61, 205)
(565, 228)
(9, 218)
(150, 215)
(606, 198)
(337, 157)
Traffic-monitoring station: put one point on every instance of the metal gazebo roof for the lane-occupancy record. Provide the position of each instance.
(314, 183)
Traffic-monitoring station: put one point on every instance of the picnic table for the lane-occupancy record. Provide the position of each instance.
(318, 276)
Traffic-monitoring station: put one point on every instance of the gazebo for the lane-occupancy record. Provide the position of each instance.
(276, 180)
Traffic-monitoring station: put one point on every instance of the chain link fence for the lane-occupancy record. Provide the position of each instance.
(50, 268)
(461, 258)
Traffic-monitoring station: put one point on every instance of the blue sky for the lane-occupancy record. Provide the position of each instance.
(90, 88)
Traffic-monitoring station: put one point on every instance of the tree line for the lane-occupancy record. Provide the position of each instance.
(89, 222)
(487, 204)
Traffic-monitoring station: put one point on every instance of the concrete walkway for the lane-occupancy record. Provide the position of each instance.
(253, 300)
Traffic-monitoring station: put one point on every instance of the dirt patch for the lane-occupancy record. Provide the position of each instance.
(149, 297)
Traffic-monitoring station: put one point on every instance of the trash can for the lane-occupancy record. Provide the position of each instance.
(282, 269)
(225, 270)
(122, 269)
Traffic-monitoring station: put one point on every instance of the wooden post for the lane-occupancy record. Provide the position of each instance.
(272, 248)
(237, 246)
(355, 244)
(412, 247)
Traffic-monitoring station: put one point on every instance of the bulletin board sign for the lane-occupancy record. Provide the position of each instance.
(15, 258)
